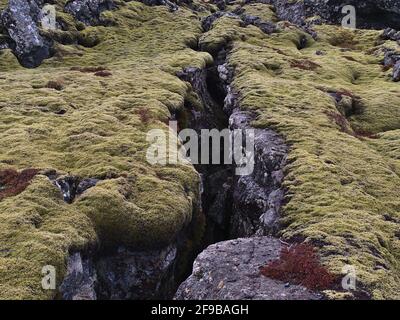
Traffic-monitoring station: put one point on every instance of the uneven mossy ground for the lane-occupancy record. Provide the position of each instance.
(342, 187)
(95, 126)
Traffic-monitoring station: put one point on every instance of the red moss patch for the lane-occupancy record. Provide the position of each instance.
(56, 85)
(13, 182)
(341, 121)
(88, 69)
(144, 115)
(304, 64)
(299, 264)
(103, 73)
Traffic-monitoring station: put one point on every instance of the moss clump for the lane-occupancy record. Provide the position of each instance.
(341, 188)
(38, 228)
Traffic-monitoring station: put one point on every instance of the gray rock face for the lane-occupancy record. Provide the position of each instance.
(124, 274)
(20, 20)
(392, 60)
(230, 271)
(258, 197)
(396, 71)
(88, 11)
(391, 34)
(171, 5)
(375, 14)
(81, 279)
(137, 275)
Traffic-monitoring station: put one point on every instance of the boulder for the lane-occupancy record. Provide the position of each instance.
(20, 20)
(230, 271)
(88, 11)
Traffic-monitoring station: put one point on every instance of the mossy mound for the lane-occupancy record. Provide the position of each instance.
(342, 186)
(85, 112)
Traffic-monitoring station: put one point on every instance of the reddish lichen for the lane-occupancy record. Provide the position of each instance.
(144, 115)
(304, 64)
(299, 264)
(13, 182)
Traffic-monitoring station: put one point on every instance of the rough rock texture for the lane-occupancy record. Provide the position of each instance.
(88, 11)
(370, 13)
(137, 275)
(392, 60)
(258, 197)
(124, 274)
(216, 179)
(172, 6)
(391, 34)
(81, 279)
(396, 71)
(71, 187)
(20, 19)
(230, 271)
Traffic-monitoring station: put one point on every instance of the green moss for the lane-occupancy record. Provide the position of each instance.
(37, 228)
(264, 11)
(342, 190)
(92, 128)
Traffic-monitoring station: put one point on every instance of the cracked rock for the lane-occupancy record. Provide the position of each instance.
(230, 271)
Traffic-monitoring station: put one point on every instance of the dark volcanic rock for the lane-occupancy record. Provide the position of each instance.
(392, 60)
(207, 22)
(396, 71)
(171, 5)
(88, 11)
(137, 275)
(375, 14)
(81, 279)
(265, 26)
(124, 274)
(391, 34)
(258, 197)
(71, 186)
(20, 20)
(230, 271)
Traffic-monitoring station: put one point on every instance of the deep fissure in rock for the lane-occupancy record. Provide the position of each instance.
(233, 206)
(216, 178)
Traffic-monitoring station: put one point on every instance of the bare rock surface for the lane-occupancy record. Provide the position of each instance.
(88, 11)
(20, 19)
(230, 271)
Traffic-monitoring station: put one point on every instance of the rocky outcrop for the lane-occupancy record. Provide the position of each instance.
(137, 275)
(258, 197)
(375, 14)
(392, 60)
(123, 274)
(88, 11)
(230, 271)
(20, 20)
(396, 71)
(81, 279)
